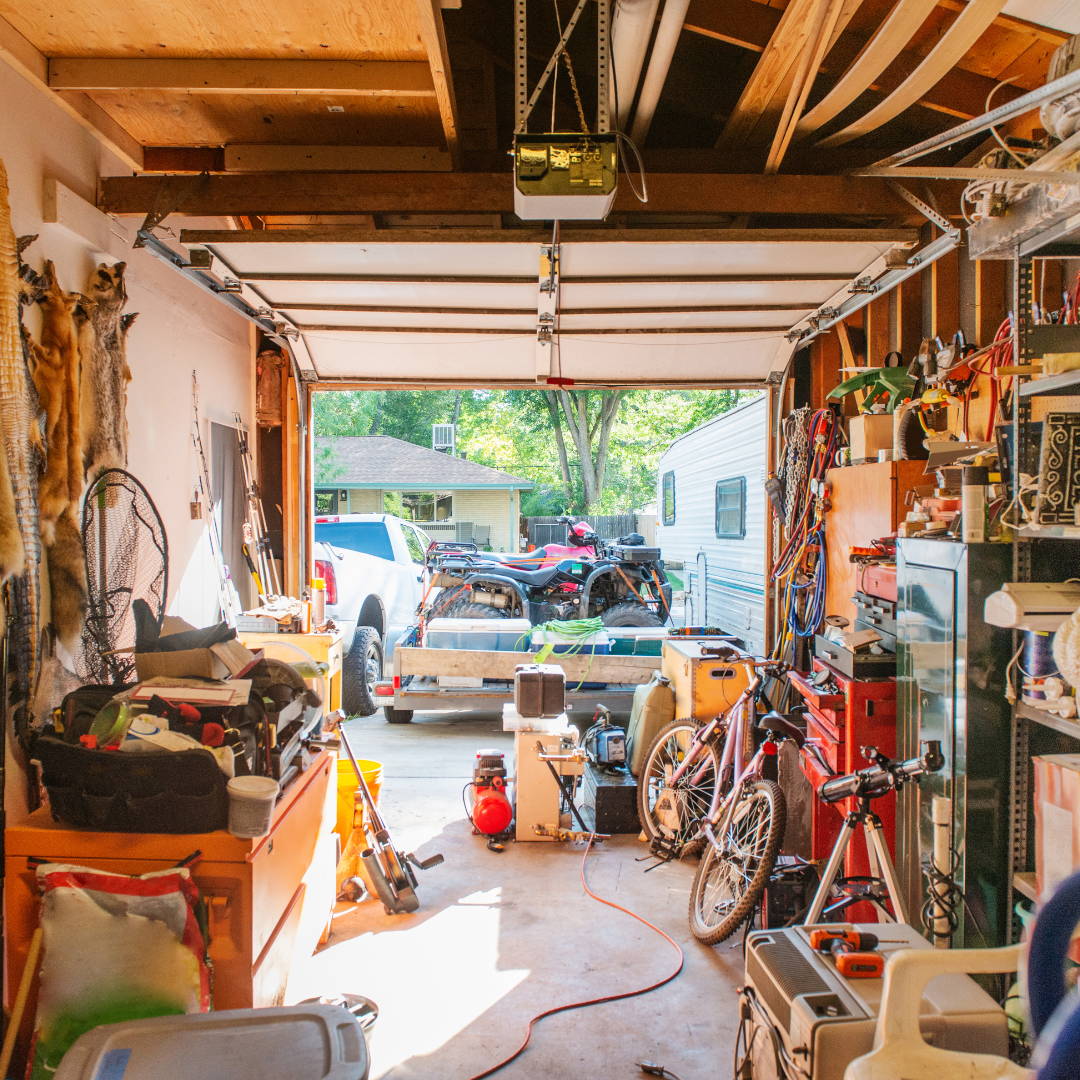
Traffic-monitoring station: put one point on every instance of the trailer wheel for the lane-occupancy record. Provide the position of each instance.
(397, 716)
(630, 613)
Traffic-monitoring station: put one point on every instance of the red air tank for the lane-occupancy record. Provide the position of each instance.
(489, 808)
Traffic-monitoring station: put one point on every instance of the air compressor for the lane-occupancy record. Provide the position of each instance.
(489, 808)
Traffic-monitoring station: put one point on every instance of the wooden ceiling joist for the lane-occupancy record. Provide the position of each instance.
(379, 78)
(961, 35)
(765, 93)
(881, 50)
(433, 36)
(329, 193)
(568, 234)
(33, 66)
(275, 157)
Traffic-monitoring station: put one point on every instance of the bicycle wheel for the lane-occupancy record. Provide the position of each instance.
(730, 880)
(670, 812)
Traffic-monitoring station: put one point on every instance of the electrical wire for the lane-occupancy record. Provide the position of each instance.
(598, 1000)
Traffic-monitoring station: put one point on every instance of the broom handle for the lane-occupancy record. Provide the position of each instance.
(377, 823)
(19, 1005)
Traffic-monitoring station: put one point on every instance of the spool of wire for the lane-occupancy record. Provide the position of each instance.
(1037, 663)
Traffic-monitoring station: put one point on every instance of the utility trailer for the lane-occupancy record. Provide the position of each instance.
(591, 680)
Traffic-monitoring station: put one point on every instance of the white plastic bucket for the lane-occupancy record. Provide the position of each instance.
(251, 805)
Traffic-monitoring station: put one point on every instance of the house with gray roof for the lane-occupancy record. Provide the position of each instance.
(449, 497)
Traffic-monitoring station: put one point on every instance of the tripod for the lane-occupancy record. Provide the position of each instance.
(879, 887)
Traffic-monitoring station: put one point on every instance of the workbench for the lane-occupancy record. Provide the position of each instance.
(269, 900)
(326, 648)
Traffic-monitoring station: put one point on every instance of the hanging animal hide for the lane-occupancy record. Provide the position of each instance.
(20, 434)
(55, 368)
(66, 560)
(105, 373)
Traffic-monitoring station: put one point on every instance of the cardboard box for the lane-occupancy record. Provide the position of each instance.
(220, 661)
(1057, 819)
(868, 433)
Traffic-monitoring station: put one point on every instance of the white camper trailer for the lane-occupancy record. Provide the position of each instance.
(711, 509)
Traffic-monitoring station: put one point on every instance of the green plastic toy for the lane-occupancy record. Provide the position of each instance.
(892, 383)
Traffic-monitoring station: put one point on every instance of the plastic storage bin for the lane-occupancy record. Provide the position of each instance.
(319, 1042)
(637, 640)
(499, 635)
(598, 643)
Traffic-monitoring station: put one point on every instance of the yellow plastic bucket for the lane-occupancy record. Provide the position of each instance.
(350, 811)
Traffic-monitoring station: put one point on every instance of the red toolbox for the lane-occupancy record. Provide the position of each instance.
(862, 714)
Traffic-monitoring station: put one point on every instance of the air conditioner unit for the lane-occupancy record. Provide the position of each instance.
(821, 1021)
(443, 438)
(1032, 605)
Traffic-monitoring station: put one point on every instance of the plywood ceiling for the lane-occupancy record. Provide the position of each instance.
(253, 29)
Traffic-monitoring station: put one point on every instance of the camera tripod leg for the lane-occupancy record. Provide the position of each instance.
(832, 870)
(879, 854)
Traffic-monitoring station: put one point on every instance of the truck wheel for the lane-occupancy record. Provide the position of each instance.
(630, 613)
(469, 609)
(360, 671)
(397, 716)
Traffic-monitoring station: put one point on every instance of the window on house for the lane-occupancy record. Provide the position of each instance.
(420, 505)
(668, 508)
(326, 502)
(731, 508)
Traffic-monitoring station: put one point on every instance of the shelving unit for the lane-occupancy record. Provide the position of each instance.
(1031, 342)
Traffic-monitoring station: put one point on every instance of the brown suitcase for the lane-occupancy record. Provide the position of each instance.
(539, 690)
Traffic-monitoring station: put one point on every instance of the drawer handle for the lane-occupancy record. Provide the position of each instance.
(219, 907)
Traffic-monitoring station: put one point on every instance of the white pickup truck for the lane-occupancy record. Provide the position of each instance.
(373, 566)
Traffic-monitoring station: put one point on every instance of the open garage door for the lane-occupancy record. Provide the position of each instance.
(508, 308)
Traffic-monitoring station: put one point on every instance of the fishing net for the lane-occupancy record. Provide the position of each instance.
(127, 559)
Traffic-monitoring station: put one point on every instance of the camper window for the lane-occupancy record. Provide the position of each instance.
(669, 498)
(731, 508)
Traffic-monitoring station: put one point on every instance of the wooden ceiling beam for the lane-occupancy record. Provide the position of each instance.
(569, 234)
(329, 193)
(370, 78)
(433, 36)
(276, 157)
(749, 25)
(33, 66)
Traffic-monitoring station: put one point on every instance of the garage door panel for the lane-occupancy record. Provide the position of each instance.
(634, 359)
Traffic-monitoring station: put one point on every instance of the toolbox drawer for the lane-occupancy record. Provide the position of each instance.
(875, 612)
(829, 707)
(854, 665)
(828, 743)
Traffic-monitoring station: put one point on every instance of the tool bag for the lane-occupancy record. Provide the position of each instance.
(152, 791)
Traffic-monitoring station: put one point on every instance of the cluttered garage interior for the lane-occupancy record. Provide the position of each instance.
(540, 538)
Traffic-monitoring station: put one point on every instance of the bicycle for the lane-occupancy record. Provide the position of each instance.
(690, 791)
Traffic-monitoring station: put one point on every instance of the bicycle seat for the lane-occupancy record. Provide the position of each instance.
(777, 722)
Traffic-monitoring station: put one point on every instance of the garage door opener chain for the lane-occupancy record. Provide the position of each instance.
(645, 1066)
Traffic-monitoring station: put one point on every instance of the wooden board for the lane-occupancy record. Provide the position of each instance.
(617, 670)
(266, 157)
(867, 502)
(213, 119)
(330, 30)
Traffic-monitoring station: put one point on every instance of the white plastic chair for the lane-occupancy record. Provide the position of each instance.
(899, 1048)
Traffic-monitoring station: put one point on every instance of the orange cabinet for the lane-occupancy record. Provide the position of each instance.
(268, 900)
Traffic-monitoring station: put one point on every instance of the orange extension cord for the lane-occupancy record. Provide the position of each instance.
(592, 1001)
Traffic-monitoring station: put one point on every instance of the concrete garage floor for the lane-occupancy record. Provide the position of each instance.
(500, 937)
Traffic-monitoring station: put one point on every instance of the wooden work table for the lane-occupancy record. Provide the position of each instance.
(269, 900)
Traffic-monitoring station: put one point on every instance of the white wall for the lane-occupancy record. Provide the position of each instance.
(179, 329)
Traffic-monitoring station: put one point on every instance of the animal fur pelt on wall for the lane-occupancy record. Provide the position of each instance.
(55, 368)
(20, 434)
(105, 373)
(66, 560)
